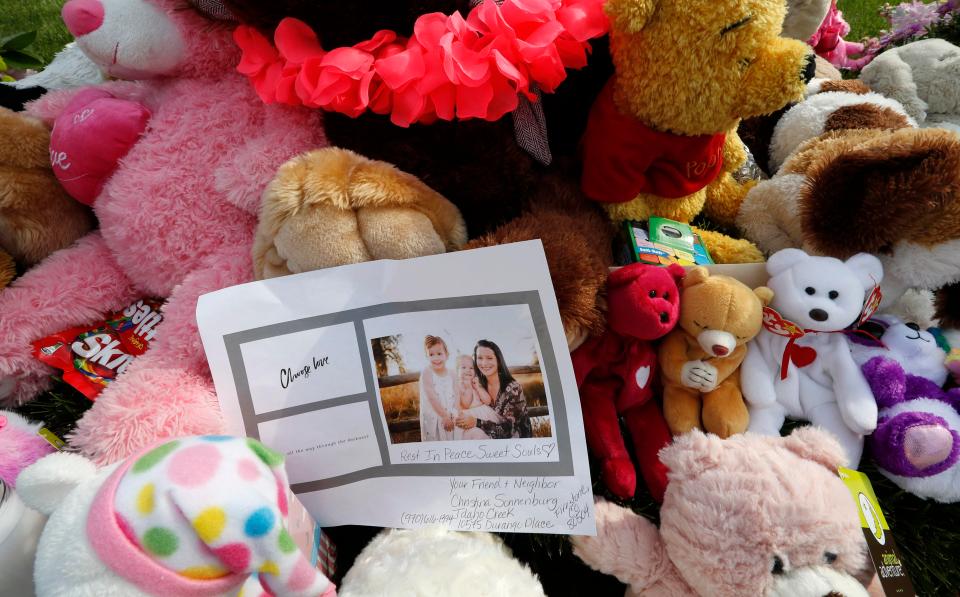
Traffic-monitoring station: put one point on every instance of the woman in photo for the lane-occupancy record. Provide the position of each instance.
(508, 400)
(438, 395)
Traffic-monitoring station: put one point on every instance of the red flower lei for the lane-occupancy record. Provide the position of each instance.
(450, 68)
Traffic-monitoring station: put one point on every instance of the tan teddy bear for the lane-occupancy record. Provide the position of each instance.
(661, 139)
(700, 359)
(37, 217)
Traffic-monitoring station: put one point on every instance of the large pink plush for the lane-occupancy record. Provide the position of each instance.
(176, 217)
(748, 515)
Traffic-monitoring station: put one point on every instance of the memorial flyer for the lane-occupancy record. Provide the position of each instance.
(428, 391)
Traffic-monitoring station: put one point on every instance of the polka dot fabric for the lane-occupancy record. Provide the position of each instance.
(211, 506)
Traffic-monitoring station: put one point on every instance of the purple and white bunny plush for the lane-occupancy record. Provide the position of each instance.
(917, 440)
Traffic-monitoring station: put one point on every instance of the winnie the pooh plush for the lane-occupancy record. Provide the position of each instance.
(661, 139)
(700, 359)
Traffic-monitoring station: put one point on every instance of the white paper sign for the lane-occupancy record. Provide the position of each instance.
(411, 393)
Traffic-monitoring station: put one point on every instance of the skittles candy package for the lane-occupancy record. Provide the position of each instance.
(91, 356)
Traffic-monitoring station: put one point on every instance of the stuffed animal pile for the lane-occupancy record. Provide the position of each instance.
(179, 147)
(176, 213)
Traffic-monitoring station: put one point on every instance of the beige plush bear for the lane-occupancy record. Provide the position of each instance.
(700, 359)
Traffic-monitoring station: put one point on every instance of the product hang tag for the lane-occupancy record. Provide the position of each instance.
(801, 356)
(52, 438)
(883, 550)
(871, 305)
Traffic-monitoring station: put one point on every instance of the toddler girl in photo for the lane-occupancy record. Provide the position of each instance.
(472, 399)
(438, 396)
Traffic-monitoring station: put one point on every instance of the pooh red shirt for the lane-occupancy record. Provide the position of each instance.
(622, 157)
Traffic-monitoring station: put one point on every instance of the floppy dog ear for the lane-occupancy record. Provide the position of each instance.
(887, 188)
(630, 16)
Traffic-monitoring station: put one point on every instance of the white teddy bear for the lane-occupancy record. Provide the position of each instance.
(820, 382)
(924, 76)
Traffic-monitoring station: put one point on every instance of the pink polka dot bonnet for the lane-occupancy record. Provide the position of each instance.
(202, 516)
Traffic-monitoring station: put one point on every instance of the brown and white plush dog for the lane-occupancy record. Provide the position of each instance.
(853, 174)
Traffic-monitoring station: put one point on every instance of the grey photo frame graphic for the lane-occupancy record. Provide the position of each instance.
(555, 396)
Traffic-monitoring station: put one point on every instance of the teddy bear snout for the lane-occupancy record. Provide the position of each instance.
(717, 342)
(818, 315)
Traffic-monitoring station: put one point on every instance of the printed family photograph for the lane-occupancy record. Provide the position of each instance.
(461, 374)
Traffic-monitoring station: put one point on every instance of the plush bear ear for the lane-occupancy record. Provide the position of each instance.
(691, 454)
(630, 16)
(889, 75)
(677, 271)
(784, 259)
(868, 269)
(813, 443)
(764, 294)
(696, 275)
(44, 484)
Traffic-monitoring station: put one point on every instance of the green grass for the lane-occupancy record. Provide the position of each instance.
(864, 17)
(42, 16)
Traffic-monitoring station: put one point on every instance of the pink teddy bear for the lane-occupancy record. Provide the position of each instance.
(748, 515)
(828, 41)
(177, 215)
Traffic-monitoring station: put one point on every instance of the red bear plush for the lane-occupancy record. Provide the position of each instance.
(616, 372)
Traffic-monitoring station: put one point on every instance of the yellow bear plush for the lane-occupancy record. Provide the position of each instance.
(700, 359)
(661, 138)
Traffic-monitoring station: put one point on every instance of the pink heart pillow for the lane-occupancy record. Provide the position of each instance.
(90, 137)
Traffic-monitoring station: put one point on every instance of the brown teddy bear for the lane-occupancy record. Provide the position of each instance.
(661, 139)
(700, 359)
(380, 190)
(37, 217)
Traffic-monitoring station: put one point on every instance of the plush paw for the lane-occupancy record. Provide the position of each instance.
(699, 376)
(860, 415)
(927, 445)
(620, 477)
(144, 406)
(333, 207)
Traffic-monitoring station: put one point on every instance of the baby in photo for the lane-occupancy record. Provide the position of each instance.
(472, 399)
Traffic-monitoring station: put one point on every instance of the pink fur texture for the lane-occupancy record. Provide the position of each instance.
(176, 221)
(731, 508)
(20, 446)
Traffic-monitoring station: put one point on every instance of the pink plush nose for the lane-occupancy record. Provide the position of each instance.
(82, 16)
(927, 445)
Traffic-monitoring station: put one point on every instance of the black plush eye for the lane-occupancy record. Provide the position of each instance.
(666, 296)
(913, 327)
(833, 294)
(653, 294)
(829, 557)
(777, 565)
(810, 290)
